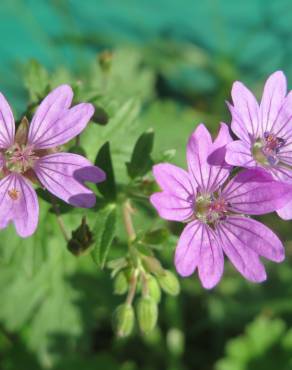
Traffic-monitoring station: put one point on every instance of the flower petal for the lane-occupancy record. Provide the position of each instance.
(171, 207)
(206, 160)
(238, 153)
(198, 148)
(19, 204)
(7, 124)
(255, 192)
(55, 104)
(245, 112)
(211, 262)
(219, 170)
(188, 250)
(286, 212)
(174, 180)
(282, 124)
(244, 259)
(54, 124)
(63, 174)
(273, 96)
(257, 237)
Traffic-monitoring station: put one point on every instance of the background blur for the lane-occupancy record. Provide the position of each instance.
(179, 59)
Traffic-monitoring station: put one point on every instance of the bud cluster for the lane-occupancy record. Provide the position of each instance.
(142, 275)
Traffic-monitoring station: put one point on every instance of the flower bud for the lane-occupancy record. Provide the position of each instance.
(105, 60)
(152, 264)
(124, 320)
(154, 288)
(169, 283)
(147, 314)
(120, 283)
(81, 239)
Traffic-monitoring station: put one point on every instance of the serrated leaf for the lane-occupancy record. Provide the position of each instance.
(141, 161)
(103, 160)
(104, 233)
(36, 80)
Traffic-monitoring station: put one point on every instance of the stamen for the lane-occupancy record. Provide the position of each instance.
(14, 194)
(20, 158)
(265, 151)
(210, 209)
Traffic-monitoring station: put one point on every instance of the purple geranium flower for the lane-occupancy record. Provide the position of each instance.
(215, 214)
(264, 131)
(31, 154)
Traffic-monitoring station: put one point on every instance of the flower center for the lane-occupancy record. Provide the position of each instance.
(19, 158)
(265, 151)
(210, 209)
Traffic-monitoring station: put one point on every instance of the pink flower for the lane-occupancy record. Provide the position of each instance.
(215, 214)
(264, 131)
(31, 154)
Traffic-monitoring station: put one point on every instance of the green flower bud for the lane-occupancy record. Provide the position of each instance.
(169, 283)
(152, 264)
(124, 318)
(154, 288)
(105, 60)
(120, 283)
(147, 313)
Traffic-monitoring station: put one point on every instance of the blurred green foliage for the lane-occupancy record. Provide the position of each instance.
(56, 308)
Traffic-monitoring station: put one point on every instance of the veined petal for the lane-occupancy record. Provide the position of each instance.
(7, 124)
(174, 180)
(206, 160)
(63, 174)
(171, 207)
(282, 173)
(238, 153)
(55, 104)
(256, 236)
(67, 126)
(197, 247)
(188, 250)
(273, 96)
(198, 148)
(255, 192)
(211, 262)
(245, 112)
(282, 123)
(219, 169)
(285, 212)
(19, 204)
(244, 259)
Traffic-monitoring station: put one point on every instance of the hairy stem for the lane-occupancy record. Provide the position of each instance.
(145, 288)
(59, 219)
(132, 289)
(128, 222)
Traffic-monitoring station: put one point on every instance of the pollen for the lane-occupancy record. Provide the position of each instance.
(14, 194)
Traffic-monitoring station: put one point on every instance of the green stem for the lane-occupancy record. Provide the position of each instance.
(59, 219)
(128, 222)
(132, 289)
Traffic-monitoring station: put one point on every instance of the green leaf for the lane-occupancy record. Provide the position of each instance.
(103, 160)
(157, 236)
(104, 232)
(141, 161)
(263, 343)
(36, 80)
